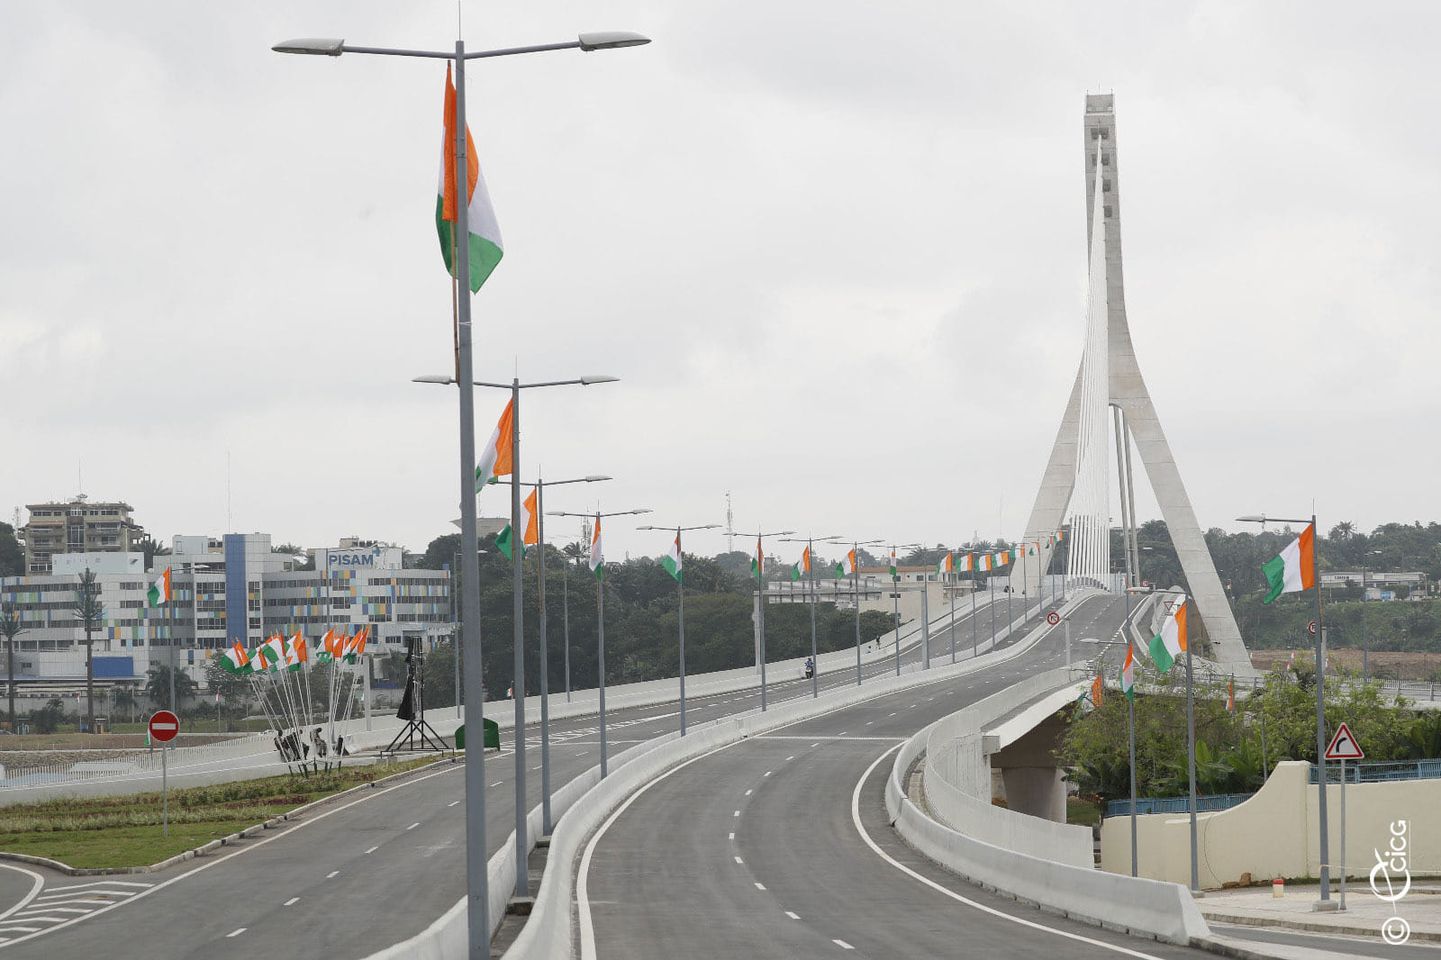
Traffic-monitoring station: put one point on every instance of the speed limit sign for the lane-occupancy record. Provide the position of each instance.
(1053, 618)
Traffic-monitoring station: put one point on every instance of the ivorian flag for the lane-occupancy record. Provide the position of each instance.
(269, 655)
(947, 564)
(332, 646)
(297, 651)
(758, 562)
(672, 561)
(597, 556)
(495, 455)
(1231, 695)
(1060, 535)
(1097, 691)
(985, 563)
(236, 660)
(894, 574)
(1295, 569)
(529, 522)
(1002, 558)
(485, 245)
(1170, 643)
(968, 563)
(355, 646)
(802, 566)
(847, 566)
(159, 591)
(1128, 674)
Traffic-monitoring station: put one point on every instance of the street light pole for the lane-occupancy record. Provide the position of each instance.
(600, 625)
(760, 562)
(679, 574)
(855, 558)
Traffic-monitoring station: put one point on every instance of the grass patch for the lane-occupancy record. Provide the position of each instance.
(1083, 813)
(127, 832)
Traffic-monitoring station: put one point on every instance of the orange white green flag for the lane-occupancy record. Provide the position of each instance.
(529, 522)
(986, 562)
(1294, 569)
(847, 566)
(947, 564)
(481, 227)
(494, 459)
(891, 566)
(968, 563)
(672, 560)
(1171, 642)
(159, 591)
(802, 566)
(597, 553)
(236, 660)
(1128, 673)
(758, 562)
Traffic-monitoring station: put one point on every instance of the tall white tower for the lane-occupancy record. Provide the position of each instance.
(1068, 485)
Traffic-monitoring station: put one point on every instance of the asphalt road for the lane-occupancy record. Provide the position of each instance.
(355, 875)
(761, 849)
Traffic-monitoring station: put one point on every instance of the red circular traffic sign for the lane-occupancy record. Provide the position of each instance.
(1311, 628)
(1053, 618)
(164, 726)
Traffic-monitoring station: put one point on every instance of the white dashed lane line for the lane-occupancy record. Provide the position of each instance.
(291, 902)
(372, 849)
(332, 875)
(235, 933)
(843, 945)
(793, 916)
(413, 825)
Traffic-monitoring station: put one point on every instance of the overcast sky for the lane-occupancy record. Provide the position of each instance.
(835, 251)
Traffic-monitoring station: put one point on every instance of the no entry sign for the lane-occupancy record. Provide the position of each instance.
(164, 726)
(1053, 618)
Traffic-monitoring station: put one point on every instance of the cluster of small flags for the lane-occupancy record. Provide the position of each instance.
(291, 653)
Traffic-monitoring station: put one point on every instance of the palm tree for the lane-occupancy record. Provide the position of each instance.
(10, 628)
(89, 611)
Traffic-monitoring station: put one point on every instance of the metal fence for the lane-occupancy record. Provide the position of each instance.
(1381, 772)
(1209, 804)
(139, 763)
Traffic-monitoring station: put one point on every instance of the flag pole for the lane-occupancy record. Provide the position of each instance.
(815, 663)
(1191, 762)
(1324, 848)
(517, 614)
(856, 590)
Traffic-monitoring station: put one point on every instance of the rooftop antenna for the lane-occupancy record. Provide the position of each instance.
(730, 526)
(229, 522)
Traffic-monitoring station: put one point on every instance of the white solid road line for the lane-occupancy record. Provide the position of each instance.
(235, 933)
(856, 819)
(94, 883)
(37, 882)
(290, 902)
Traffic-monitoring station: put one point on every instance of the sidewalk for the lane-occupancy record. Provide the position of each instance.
(1365, 914)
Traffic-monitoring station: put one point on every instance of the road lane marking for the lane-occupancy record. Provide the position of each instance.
(452, 803)
(37, 882)
(51, 908)
(749, 792)
(371, 850)
(856, 819)
(760, 886)
(736, 814)
(768, 773)
(291, 902)
(731, 835)
(790, 758)
(843, 945)
(332, 874)
(793, 916)
(235, 933)
(739, 860)
(413, 825)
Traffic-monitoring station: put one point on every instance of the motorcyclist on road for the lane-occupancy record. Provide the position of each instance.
(810, 667)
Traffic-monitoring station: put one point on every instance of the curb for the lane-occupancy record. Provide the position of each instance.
(225, 841)
(1309, 927)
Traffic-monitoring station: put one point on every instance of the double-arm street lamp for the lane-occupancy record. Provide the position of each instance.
(810, 543)
(896, 596)
(517, 565)
(600, 618)
(854, 560)
(477, 884)
(1325, 848)
(519, 538)
(679, 574)
(760, 562)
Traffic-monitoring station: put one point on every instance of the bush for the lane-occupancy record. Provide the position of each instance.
(49, 717)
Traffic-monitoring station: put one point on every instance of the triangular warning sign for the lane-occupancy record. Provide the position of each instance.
(1344, 746)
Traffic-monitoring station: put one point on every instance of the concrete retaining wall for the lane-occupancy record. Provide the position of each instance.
(958, 779)
(1275, 833)
(1151, 908)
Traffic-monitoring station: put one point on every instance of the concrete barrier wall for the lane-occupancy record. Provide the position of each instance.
(1165, 911)
(548, 931)
(958, 779)
(1275, 833)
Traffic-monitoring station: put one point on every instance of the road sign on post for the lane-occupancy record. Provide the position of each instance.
(163, 727)
(1344, 747)
(1053, 618)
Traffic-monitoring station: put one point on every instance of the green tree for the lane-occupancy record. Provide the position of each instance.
(10, 628)
(91, 613)
(234, 690)
(157, 686)
(49, 717)
(122, 698)
(12, 557)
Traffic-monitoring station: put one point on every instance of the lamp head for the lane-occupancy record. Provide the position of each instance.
(596, 378)
(611, 40)
(312, 46)
(433, 378)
